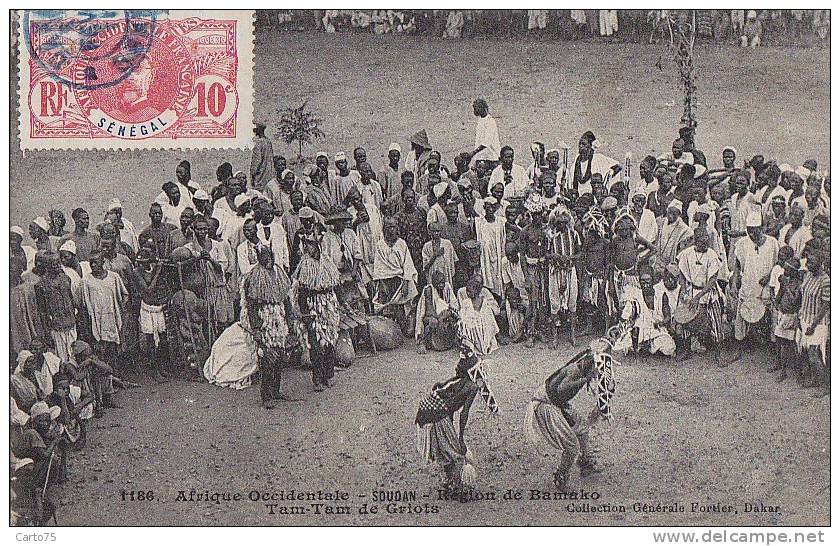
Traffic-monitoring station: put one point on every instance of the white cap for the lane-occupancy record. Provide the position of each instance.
(201, 194)
(394, 146)
(322, 154)
(340, 156)
(18, 230)
(69, 246)
(42, 223)
(754, 218)
(306, 212)
(240, 199)
(114, 204)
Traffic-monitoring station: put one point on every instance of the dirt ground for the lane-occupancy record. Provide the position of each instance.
(687, 433)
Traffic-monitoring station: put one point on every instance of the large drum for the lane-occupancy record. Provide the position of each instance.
(752, 309)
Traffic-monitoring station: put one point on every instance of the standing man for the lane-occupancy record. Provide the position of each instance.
(699, 267)
(105, 297)
(262, 158)
(54, 296)
(488, 147)
(490, 233)
(343, 180)
(271, 233)
(588, 162)
(265, 291)
(513, 176)
(158, 231)
(389, 178)
(755, 256)
(151, 283)
(86, 241)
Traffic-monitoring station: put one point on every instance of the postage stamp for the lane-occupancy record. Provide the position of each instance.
(135, 79)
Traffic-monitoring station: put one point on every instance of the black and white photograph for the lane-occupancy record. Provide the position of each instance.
(420, 268)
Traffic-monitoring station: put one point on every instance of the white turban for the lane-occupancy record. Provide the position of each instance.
(17, 229)
(754, 218)
(340, 156)
(201, 195)
(322, 154)
(394, 146)
(114, 204)
(69, 246)
(675, 204)
(240, 199)
(42, 223)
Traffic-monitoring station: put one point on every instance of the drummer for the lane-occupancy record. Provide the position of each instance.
(755, 256)
(699, 266)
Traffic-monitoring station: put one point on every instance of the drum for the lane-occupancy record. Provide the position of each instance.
(685, 313)
(752, 310)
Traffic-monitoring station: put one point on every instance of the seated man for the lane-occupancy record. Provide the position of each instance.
(394, 277)
(436, 318)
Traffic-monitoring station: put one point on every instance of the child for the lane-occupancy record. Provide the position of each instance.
(771, 290)
(515, 293)
(94, 375)
(788, 300)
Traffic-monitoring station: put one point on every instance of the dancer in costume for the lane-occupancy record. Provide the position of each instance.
(265, 290)
(551, 416)
(314, 284)
(437, 440)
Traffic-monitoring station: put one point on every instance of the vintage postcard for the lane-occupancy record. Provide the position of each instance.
(421, 267)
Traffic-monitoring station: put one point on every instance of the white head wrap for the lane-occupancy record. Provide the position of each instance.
(394, 146)
(42, 223)
(340, 156)
(201, 195)
(754, 218)
(675, 204)
(240, 199)
(114, 204)
(69, 246)
(18, 230)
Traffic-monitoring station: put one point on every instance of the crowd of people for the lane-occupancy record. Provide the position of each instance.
(743, 27)
(277, 268)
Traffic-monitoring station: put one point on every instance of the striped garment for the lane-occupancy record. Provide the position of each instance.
(816, 292)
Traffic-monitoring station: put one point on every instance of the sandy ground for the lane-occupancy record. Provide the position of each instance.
(684, 434)
(687, 433)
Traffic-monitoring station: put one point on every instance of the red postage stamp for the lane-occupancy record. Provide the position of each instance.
(135, 79)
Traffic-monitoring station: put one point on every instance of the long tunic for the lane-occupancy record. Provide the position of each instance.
(491, 239)
(262, 156)
(444, 263)
(478, 325)
(25, 322)
(103, 299)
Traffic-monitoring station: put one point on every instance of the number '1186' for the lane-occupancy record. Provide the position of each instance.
(129, 496)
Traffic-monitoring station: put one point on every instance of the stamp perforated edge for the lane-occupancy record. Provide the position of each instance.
(245, 88)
